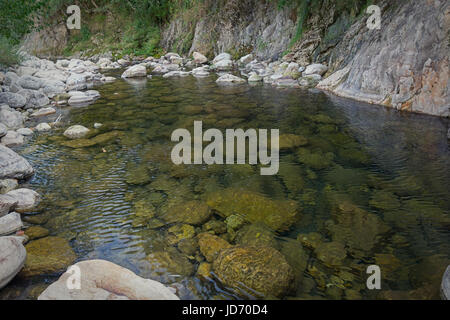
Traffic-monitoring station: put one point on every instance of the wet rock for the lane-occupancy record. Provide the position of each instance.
(191, 212)
(43, 127)
(188, 246)
(210, 245)
(171, 260)
(234, 222)
(179, 232)
(12, 139)
(103, 280)
(292, 71)
(36, 232)
(12, 259)
(292, 178)
(316, 68)
(13, 166)
(230, 79)
(10, 223)
(11, 118)
(135, 71)
(215, 227)
(260, 269)
(286, 82)
(359, 230)
(278, 215)
(13, 100)
(204, 270)
(200, 72)
(309, 81)
(78, 98)
(7, 204)
(76, 132)
(27, 199)
(310, 240)
(332, 254)
(138, 175)
(256, 235)
(176, 74)
(296, 257)
(445, 285)
(7, 185)
(199, 58)
(47, 256)
(384, 200)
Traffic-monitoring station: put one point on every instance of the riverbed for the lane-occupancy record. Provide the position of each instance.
(108, 199)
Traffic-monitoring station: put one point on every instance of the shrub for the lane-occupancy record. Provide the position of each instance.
(8, 52)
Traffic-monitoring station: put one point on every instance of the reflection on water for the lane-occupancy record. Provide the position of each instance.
(358, 185)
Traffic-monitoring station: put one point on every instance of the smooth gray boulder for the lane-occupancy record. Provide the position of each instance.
(222, 56)
(34, 98)
(10, 223)
(27, 199)
(199, 58)
(25, 131)
(7, 204)
(43, 112)
(43, 127)
(12, 139)
(104, 280)
(13, 100)
(230, 79)
(12, 259)
(315, 68)
(223, 65)
(445, 285)
(13, 166)
(30, 82)
(11, 118)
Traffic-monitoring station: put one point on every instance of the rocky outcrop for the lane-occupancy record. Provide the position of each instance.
(404, 65)
(445, 285)
(103, 280)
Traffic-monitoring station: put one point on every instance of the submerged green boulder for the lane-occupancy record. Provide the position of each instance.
(278, 215)
(192, 212)
(98, 140)
(171, 260)
(263, 270)
(290, 141)
(317, 160)
(47, 256)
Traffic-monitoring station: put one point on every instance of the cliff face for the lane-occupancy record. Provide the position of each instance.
(404, 65)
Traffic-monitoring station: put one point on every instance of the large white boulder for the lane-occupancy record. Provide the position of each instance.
(223, 65)
(135, 71)
(11, 118)
(104, 280)
(12, 259)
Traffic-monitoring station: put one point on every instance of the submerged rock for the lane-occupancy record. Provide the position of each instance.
(100, 139)
(47, 256)
(36, 232)
(103, 280)
(278, 215)
(191, 212)
(171, 260)
(290, 141)
(263, 270)
(332, 254)
(12, 259)
(210, 245)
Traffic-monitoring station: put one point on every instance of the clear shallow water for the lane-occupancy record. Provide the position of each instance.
(393, 166)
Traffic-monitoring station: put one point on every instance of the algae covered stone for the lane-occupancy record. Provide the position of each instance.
(210, 245)
(36, 232)
(290, 141)
(332, 254)
(278, 215)
(263, 270)
(179, 232)
(171, 260)
(191, 212)
(47, 256)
